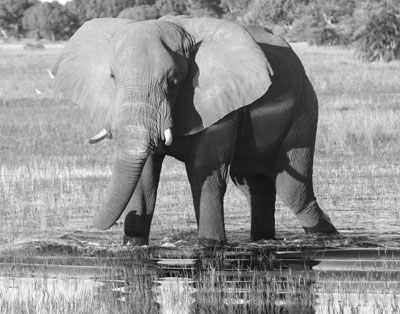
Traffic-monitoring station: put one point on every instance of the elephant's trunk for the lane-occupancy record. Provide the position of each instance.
(126, 174)
(133, 140)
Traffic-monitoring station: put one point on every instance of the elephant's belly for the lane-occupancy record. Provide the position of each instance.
(265, 125)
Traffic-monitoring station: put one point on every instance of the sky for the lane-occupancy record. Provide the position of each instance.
(61, 1)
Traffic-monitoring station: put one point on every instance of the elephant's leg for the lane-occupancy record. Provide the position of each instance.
(294, 166)
(297, 193)
(208, 197)
(261, 195)
(207, 166)
(141, 205)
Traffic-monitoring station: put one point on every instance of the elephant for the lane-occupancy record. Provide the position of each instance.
(228, 100)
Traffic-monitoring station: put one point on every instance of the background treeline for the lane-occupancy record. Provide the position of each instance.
(374, 25)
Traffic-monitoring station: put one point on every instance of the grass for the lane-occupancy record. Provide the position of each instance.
(359, 101)
(210, 291)
(51, 182)
(51, 178)
(259, 297)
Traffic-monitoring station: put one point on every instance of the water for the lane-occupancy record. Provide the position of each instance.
(237, 279)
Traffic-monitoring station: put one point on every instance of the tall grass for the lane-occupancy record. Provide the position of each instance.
(211, 291)
(52, 182)
(359, 101)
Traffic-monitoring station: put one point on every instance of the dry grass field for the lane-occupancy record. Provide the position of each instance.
(51, 181)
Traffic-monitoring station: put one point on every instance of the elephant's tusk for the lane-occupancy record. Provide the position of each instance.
(50, 74)
(98, 137)
(168, 137)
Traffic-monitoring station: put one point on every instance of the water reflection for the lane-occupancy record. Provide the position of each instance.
(228, 280)
(175, 295)
(17, 288)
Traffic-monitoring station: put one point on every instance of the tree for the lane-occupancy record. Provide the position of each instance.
(11, 13)
(140, 13)
(234, 9)
(321, 21)
(381, 37)
(200, 8)
(49, 20)
(171, 7)
(284, 12)
(89, 9)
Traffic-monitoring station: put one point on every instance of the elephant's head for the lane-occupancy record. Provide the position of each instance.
(145, 81)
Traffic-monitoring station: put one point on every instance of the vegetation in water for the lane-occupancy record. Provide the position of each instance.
(52, 182)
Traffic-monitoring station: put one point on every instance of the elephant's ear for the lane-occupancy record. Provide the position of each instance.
(83, 72)
(227, 71)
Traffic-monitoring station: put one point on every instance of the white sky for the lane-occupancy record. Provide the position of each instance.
(61, 1)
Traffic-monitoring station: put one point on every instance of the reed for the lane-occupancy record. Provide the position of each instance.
(51, 184)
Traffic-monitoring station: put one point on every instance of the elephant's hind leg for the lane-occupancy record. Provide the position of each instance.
(141, 205)
(260, 193)
(294, 167)
(295, 187)
(297, 193)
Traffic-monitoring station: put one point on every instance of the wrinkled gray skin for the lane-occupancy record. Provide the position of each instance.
(225, 99)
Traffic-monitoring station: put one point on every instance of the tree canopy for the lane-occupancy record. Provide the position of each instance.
(324, 22)
(11, 14)
(140, 13)
(89, 9)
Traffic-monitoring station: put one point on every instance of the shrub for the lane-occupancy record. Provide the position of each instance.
(140, 13)
(381, 37)
(302, 29)
(48, 20)
(328, 37)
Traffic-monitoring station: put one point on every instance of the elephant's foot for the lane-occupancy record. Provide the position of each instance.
(263, 226)
(211, 238)
(324, 226)
(267, 234)
(134, 241)
(210, 242)
(137, 227)
(314, 220)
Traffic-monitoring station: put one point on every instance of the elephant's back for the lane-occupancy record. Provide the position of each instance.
(263, 35)
(288, 71)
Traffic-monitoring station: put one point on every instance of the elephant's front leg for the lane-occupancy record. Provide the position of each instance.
(207, 167)
(260, 193)
(141, 205)
(208, 190)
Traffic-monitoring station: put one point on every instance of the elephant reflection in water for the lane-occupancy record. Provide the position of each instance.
(225, 99)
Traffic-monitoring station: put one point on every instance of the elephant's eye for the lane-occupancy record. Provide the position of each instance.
(174, 77)
(174, 80)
